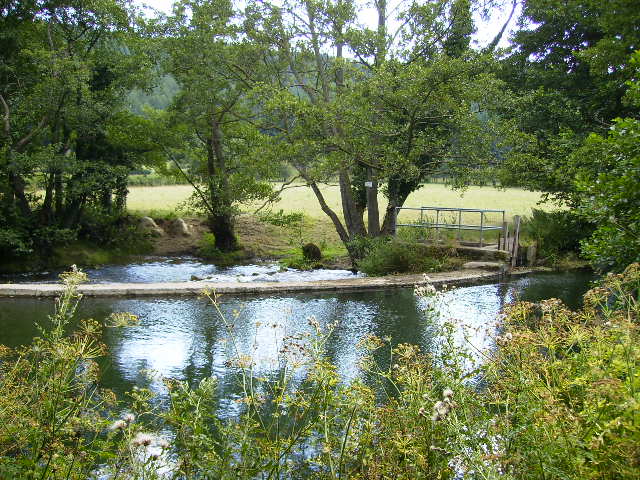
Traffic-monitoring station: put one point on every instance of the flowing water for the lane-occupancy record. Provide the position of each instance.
(184, 269)
(184, 337)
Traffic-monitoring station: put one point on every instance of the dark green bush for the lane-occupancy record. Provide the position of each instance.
(385, 256)
(113, 232)
(558, 232)
(311, 252)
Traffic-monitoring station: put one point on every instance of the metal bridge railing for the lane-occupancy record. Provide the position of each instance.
(482, 226)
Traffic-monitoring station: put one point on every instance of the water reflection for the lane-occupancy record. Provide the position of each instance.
(184, 338)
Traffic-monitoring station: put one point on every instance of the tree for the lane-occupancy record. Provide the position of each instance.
(209, 59)
(569, 64)
(394, 110)
(64, 70)
(610, 195)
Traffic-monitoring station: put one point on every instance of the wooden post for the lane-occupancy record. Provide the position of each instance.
(394, 226)
(516, 241)
(505, 232)
(532, 254)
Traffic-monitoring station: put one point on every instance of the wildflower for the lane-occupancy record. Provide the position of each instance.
(142, 439)
(118, 425)
(447, 393)
(440, 410)
(163, 444)
(129, 418)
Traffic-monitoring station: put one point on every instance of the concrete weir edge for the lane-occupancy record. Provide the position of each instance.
(457, 277)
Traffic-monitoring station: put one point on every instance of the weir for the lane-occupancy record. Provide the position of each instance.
(254, 288)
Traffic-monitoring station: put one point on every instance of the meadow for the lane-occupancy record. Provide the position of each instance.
(164, 199)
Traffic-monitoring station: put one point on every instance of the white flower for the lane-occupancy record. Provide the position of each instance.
(447, 393)
(441, 408)
(142, 439)
(163, 444)
(118, 425)
(129, 418)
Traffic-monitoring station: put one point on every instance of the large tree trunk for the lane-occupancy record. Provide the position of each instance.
(46, 213)
(58, 189)
(373, 211)
(221, 221)
(18, 187)
(223, 230)
(73, 213)
(399, 189)
(352, 214)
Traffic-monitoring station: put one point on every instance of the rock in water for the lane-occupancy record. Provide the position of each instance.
(148, 225)
(180, 227)
(485, 266)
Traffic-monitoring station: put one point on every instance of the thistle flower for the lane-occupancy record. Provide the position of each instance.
(440, 411)
(118, 425)
(163, 444)
(129, 418)
(447, 393)
(142, 439)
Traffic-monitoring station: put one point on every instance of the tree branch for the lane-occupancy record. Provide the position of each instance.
(202, 196)
(272, 198)
(494, 43)
(6, 117)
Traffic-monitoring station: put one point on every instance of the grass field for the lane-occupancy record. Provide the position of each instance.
(267, 240)
(164, 199)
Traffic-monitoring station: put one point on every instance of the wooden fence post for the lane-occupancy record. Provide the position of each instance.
(516, 241)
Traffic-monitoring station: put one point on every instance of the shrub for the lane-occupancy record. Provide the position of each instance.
(555, 398)
(558, 232)
(208, 247)
(55, 422)
(566, 386)
(384, 257)
(311, 252)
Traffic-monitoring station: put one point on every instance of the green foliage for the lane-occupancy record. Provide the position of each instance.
(54, 418)
(610, 194)
(65, 68)
(281, 219)
(569, 65)
(208, 247)
(557, 232)
(385, 257)
(565, 385)
(153, 180)
(611, 197)
(114, 232)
